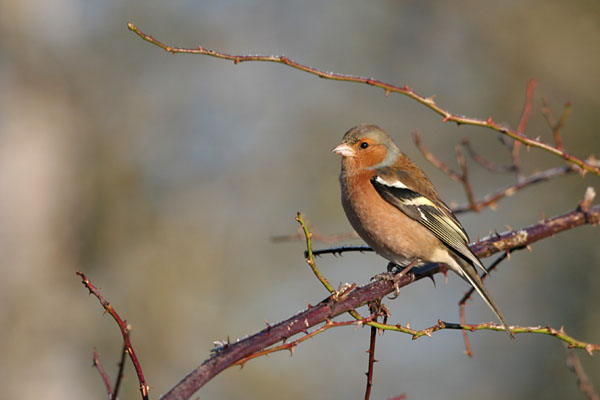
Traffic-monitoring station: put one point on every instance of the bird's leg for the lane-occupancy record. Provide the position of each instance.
(395, 273)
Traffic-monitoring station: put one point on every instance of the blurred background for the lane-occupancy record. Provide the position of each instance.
(163, 177)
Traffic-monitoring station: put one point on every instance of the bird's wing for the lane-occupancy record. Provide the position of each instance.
(399, 190)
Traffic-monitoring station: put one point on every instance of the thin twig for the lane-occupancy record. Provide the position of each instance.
(292, 345)
(556, 126)
(103, 374)
(124, 332)
(484, 162)
(583, 382)
(120, 374)
(522, 124)
(436, 162)
(491, 199)
(338, 250)
(310, 260)
(389, 88)
(372, 361)
(462, 162)
(462, 177)
(315, 235)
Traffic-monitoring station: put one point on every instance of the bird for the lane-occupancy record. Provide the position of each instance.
(395, 209)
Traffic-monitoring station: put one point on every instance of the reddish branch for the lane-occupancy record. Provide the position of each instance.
(292, 345)
(372, 361)
(389, 88)
(120, 374)
(523, 122)
(103, 374)
(327, 309)
(463, 177)
(124, 331)
(556, 126)
(491, 199)
(484, 162)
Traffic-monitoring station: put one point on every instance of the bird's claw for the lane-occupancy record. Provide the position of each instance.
(391, 276)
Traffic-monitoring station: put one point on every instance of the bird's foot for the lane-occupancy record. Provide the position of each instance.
(394, 274)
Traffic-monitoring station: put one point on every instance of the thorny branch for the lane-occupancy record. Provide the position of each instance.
(292, 345)
(124, 331)
(389, 88)
(372, 361)
(491, 199)
(333, 306)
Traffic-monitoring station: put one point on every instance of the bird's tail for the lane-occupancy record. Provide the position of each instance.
(469, 273)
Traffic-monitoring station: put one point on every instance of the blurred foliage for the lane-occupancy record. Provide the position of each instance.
(163, 178)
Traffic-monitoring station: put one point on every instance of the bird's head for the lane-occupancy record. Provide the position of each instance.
(367, 146)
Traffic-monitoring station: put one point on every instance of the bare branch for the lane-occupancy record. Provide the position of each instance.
(120, 374)
(522, 123)
(372, 361)
(491, 199)
(484, 162)
(556, 126)
(331, 307)
(389, 88)
(103, 374)
(124, 331)
(583, 382)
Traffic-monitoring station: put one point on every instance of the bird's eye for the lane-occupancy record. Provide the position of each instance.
(364, 145)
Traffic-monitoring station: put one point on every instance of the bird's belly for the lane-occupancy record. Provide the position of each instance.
(388, 231)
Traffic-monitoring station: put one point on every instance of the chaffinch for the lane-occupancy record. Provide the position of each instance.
(395, 209)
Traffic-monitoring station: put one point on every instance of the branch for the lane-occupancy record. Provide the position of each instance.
(554, 125)
(522, 123)
(120, 374)
(583, 382)
(103, 374)
(389, 88)
(463, 177)
(484, 162)
(292, 345)
(331, 307)
(124, 331)
(372, 362)
(491, 199)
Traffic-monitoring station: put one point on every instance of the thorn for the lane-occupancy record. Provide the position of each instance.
(529, 248)
(508, 255)
(292, 350)
(432, 280)
(490, 121)
(408, 325)
(508, 227)
(387, 92)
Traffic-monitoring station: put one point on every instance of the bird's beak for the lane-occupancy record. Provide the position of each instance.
(344, 150)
